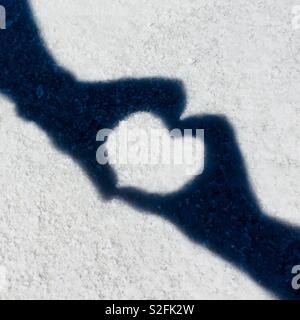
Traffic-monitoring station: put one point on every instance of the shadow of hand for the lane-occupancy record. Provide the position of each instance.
(219, 210)
(222, 185)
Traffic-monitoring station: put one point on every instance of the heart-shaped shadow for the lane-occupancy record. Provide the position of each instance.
(146, 155)
(224, 166)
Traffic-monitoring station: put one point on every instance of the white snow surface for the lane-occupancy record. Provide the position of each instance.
(59, 239)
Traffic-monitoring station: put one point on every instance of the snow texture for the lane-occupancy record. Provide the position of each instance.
(58, 238)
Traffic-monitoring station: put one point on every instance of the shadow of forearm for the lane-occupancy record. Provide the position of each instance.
(264, 248)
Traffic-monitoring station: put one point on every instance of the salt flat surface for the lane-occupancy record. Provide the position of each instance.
(58, 238)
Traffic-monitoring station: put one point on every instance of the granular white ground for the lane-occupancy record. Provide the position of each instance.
(58, 238)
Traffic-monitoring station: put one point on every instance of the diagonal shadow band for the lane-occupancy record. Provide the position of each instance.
(217, 210)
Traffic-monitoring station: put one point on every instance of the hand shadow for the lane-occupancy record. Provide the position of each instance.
(217, 209)
(70, 111)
